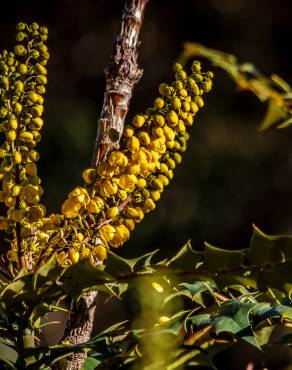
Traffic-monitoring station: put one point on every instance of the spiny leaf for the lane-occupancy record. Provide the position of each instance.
(121, 266)
(222, 259)
(185, 259)
(234, 319)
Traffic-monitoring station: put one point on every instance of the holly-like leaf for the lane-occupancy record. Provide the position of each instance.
(219, 259)
(186, 259)
(234, 318)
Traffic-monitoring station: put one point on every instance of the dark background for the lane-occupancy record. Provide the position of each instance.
(231, 175)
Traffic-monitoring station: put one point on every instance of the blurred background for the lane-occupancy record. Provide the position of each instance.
(231, 175)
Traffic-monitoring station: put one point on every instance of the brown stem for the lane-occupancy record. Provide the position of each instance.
(122, 74)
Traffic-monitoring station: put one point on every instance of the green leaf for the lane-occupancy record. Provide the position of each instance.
(268, 249)
(8, 354)
(274, 114)
(47, 273)
(234, 318)
(90, 363)
(219, 259)
(186, 259)
(117, 265)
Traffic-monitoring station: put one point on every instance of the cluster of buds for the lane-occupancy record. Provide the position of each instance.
(117, 194)
(22, 85)
(129, 182)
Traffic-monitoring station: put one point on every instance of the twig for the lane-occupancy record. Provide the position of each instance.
(122, 74)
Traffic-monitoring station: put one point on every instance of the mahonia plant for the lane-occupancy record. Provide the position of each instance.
(116, 195)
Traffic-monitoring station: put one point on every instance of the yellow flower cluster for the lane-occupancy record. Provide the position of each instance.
(22, 85)
(129, 182)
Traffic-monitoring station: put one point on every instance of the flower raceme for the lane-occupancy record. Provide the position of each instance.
(116, 195)
(23, 77)
(130, 181)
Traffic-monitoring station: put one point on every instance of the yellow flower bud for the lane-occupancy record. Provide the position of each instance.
(25, 137)
(177, 67)
(13, 123)
(128, 182)
(2, 153)
(164, 179)
(33, 155)
(73, 255)
(171, 163)
(62, 259)
(183, 93)
(128, 131)
(89, 175)
(17, 215)
(118, 158)
(15, 191)
(144, 138)
(189, 120)
(148, 205)
(107, 232)
(56, 219)
(30, 194)
(133, 144)
(157, 184)
(70, 209)
(196, 66)
(17, 108)
(141, 183)
(37, 110)
(158, 103)
(138, 121)
(162, 88)
(129, 223)
(194, 107)
(31, 169)
(181, 128)
(36, 123)
(172, 118)
(157, 132)
(100, 252)
(92, 207)
(35, 213)
(155, 195)
(11, 135)
(112, 212)
(108, 188)
(176, 104)
(10, 201)
(158, 120)
(199, 101)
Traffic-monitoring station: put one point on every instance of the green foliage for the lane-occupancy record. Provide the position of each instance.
(199, 309)
(192, 305)
(274, 90)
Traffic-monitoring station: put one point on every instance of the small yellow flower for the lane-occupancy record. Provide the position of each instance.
(100, 252)
(133, 144)
(73, 255)
(128, 182)
(107, 232)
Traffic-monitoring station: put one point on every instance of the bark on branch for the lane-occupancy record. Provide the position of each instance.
(121, 75)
